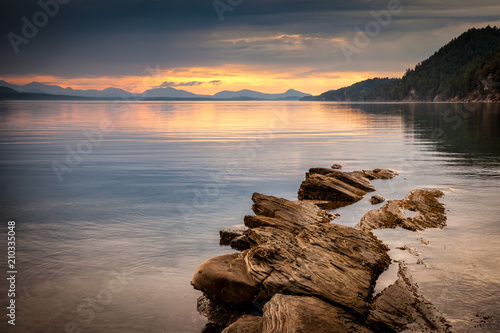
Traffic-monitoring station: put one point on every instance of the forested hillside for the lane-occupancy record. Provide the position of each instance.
(356, 92)
(467, 68)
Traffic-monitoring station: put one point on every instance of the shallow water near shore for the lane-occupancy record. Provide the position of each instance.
(116, 204)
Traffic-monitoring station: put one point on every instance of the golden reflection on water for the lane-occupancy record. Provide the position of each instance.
(201, 121)
(114, 210)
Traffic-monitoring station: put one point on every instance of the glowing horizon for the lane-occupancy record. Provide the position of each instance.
(202, 81)
(312, 47)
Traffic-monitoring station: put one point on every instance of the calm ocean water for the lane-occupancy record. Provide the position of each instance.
(116, 204)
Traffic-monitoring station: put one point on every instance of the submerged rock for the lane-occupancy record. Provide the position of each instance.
(401, 307)
(430, 213)
(378, 174)
(218, 313)
(376, 199)
(227, 235)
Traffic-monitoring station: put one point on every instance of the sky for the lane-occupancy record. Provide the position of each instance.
(206, 46)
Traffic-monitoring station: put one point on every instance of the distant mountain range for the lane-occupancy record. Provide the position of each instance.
(465, 69)
(34, 90)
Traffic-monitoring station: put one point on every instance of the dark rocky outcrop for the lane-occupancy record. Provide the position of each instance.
(320, 187)
(376, 199)
(356, 179)
(377, 174)
(218, 313)
(235, 238)
(299, 272)
(227, 235)
(430, 213)
(340, 188)
(240, 243)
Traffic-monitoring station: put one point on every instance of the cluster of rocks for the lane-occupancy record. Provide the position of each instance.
(430, 213)
(333, 188)
(299, 272)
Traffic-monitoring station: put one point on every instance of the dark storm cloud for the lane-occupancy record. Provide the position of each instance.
(122, 37)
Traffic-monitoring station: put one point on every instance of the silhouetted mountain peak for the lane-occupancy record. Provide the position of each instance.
(155, 93)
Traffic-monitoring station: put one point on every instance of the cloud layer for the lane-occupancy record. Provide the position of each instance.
(90, 38)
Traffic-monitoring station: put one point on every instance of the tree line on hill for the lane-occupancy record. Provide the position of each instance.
(467, 68)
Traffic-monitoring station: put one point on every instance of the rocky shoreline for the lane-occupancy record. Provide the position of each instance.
(300, 272)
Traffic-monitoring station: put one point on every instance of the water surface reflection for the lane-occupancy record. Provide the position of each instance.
(120, 208)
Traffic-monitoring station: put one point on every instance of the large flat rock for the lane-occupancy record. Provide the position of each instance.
(292, 214)
(340, 188)
(319, 187)
(298, 314)
(255, 221)
(336, 263)
(354, 179)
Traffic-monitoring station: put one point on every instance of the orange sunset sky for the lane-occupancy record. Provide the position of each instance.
(232, 78)
(266, 46)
